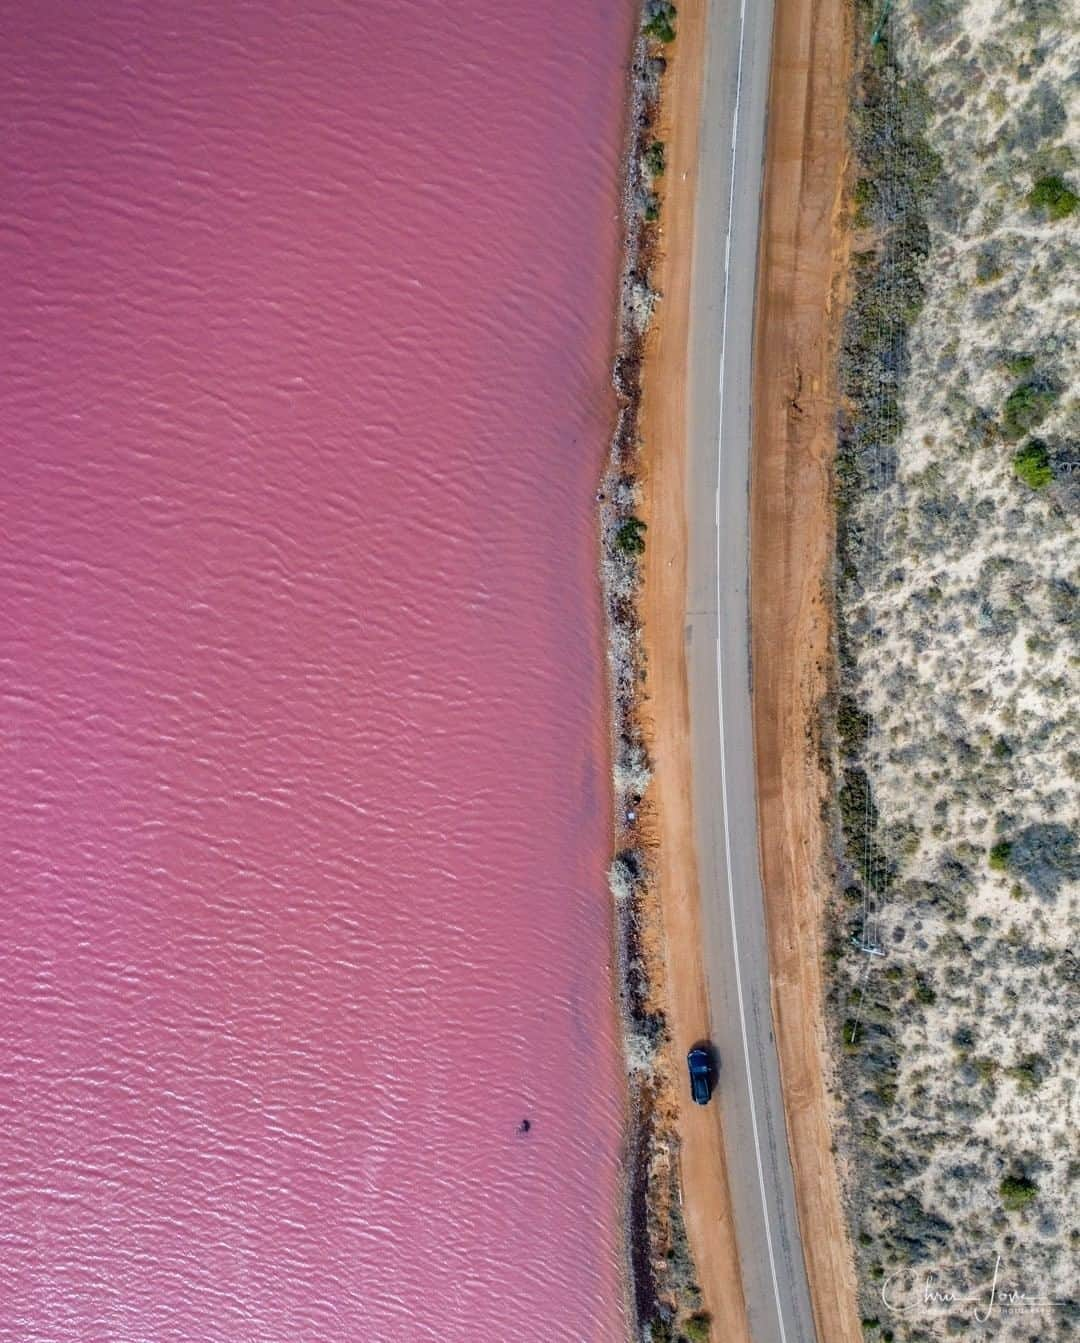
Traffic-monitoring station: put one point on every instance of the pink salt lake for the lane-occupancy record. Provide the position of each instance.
(306, 331)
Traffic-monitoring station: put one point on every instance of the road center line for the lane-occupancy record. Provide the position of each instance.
(720, 684)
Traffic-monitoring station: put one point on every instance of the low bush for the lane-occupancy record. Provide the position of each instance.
(630, 538)
(1032, 465)
(1017, 1191)
(655, 159)
(999, 855)
(1020, 365)
(1054, 195)
(1047, 855)
(988, 265)
(660, 20)
(1029, 1072)
(1027, 406)
(698, 1327)
(857, 808)
(862, 198)
(986, 1068)
(660, 1330)
(853, 725)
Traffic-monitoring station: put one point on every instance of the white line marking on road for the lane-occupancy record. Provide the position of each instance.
(720, 685)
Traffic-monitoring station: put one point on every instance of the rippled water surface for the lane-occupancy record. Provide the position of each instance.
(305, 326)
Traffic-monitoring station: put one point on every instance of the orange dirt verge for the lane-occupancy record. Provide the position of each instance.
(665, 712)
(801, 266)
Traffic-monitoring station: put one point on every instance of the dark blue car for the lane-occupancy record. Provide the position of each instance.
(701, 1074)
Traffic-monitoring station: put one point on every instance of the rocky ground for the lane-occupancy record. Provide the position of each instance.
(956, 735)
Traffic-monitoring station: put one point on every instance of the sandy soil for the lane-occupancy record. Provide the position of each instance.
(707, 1205)
(802, 258)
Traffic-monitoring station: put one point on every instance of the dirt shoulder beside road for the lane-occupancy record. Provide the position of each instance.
(801, 263)
(665, 709)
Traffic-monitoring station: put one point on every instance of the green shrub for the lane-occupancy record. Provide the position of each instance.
(988, 266)
(1032, 465)
(629, 537)
(1020, 365)
(1054, 195)
(853, 1035)
(999, 855)
(924, 990)
(698, 1327)
(1027, 406)
(857, 807)
(661, 21)
(660, 1330)
(1017, 1191)
(853, 725)
(655, 159)
(862, 197)
(1029, 1072)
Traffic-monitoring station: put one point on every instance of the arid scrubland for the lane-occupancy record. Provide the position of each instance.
(956, 735)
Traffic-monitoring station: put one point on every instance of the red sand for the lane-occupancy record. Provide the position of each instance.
(306, 332)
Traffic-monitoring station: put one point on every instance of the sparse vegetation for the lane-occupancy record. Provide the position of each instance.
(955, 746)
(1046, 855)
(663, 1280)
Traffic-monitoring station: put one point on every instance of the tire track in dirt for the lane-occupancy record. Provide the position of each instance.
(801, 266)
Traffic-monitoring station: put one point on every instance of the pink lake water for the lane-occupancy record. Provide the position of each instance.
(306, 330)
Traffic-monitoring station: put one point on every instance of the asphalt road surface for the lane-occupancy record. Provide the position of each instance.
(718, 652)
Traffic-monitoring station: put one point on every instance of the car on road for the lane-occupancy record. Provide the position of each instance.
(700, 1065)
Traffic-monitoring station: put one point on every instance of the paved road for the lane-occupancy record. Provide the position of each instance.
(718, 650)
